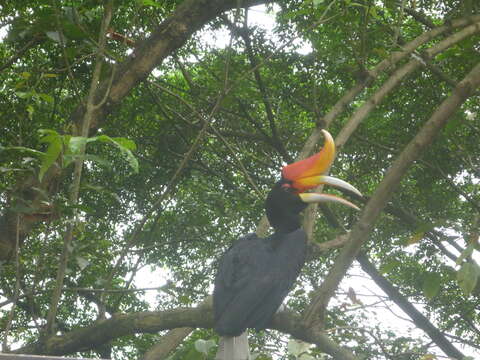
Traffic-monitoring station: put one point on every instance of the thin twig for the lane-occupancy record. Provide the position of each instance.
(118, 291)
(170, 185)
(217, 133)
(75, 189)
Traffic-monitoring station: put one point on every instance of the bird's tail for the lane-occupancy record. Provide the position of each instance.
(233, 348)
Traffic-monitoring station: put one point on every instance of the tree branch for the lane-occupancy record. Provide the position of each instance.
(104, 331)
(77, 174)
(418, 318)
(167, 344)
(315, 313)
(395, 79)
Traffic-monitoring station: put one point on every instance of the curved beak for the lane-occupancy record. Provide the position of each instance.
(308, 173)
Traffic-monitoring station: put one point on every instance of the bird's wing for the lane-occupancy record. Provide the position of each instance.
(252, 305)
(236, 269)
(252, 280)
(234, 260)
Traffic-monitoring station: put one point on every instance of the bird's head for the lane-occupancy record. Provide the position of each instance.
(289, 197)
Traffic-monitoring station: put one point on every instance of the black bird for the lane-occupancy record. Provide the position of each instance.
(256, 274)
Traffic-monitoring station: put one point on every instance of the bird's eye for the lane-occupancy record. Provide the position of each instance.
(288, 187)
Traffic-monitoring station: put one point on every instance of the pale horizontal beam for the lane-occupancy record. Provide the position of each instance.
(39, 357)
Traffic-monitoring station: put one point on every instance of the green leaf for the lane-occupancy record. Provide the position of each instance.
(51, 155)
(25, 149)
(47, 98)
(149, 3)
(132, 160)
(465, 253)
(431, 285)
(98, 159)
(467, 277)
(124, 145)
(47, 134)
(76, 144)
(23, 95)
(30, 111)
(389, 266)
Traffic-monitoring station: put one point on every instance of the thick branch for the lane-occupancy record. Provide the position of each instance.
(418, 318)
(371, 212)
(190, 16)
(119, 325)
(364, 110)
(395, 80)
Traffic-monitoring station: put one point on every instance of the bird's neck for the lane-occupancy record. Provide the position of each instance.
(284, 222)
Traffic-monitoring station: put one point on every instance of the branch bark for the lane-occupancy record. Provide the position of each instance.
(77, 174)
(168, 342)
(418, 318)
(364, 110)
(190, 16)
(315, 313)
(119, 325)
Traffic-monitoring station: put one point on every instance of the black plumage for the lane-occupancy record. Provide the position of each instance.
(256, 274)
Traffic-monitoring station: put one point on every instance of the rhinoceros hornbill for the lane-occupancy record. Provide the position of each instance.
(256, 274)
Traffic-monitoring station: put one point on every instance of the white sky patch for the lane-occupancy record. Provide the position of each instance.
(386, 313)
(261, 17)
(151, 278)
(258, 16)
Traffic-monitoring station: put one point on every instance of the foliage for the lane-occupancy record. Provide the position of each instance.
(170, 221)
